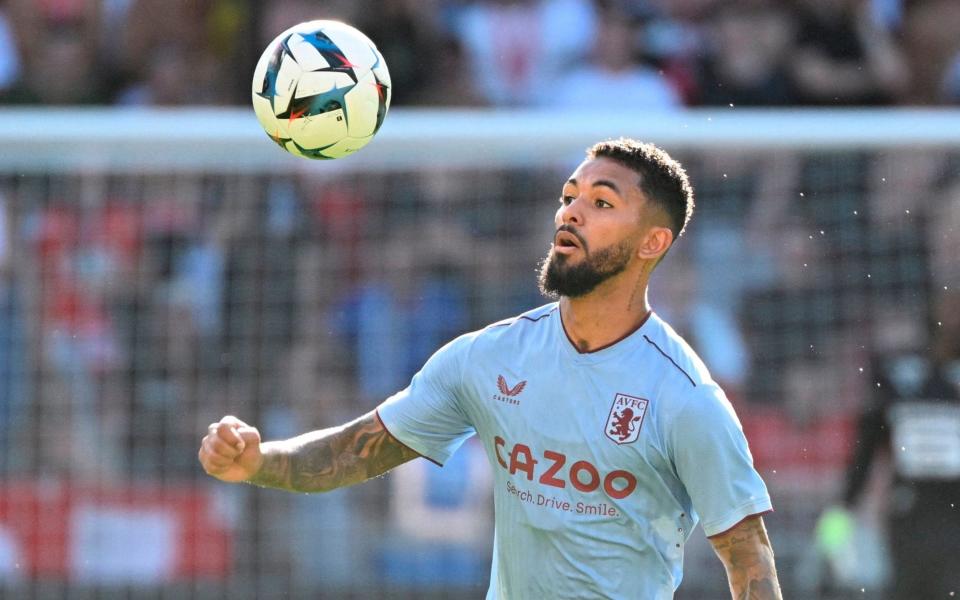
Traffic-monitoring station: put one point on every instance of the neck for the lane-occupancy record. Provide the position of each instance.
(607, 314)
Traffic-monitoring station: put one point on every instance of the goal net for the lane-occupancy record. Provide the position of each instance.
(161, 269)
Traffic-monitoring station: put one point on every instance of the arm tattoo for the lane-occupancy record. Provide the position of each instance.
(748, 558)
(324, 460)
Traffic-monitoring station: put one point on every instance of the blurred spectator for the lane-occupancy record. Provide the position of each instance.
(275, 17)
(515, 47)
(78, 338)
(676, 38)
(166, 82)
(10, 66)
(450, 82)
(944, 223)
(185, 51)
(712, 330)
(13, 359)
(35, 21)
(153, 23)
(408, 34)
(497, 52)
(440, 521)
(614, 77)
(913, 419)
(747, 64)
(370, 323)
(439, 312)
(844, 57)
(932, 48)
(58, 40)
(61, 70)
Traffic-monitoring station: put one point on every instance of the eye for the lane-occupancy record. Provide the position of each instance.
(566, 200)
(602, 204)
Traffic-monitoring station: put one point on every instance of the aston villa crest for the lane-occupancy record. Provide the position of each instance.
(625, 419)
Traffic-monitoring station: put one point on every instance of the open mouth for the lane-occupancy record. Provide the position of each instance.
(565, 242)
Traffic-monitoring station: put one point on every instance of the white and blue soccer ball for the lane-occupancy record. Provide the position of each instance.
(321, 90)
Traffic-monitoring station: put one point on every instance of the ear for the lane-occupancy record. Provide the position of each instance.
(655, 243)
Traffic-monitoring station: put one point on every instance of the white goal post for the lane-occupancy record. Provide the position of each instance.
(230, 139)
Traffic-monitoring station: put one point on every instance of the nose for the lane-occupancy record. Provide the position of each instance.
(571, 213)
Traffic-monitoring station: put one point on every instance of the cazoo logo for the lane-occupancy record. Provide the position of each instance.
(551, 469)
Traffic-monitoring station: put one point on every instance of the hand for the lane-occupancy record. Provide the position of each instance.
(231, 450)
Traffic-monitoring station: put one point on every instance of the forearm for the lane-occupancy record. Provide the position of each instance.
(758, 582)
(748, 559)
(324, 460)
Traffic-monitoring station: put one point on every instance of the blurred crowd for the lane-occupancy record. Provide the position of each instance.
(135, 309)
(639, 54)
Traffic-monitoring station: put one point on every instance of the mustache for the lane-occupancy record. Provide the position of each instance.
(571, 230)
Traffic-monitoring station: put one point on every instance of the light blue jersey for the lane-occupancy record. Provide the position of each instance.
(603, 462)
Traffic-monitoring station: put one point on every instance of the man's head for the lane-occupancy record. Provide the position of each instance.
(621, 209)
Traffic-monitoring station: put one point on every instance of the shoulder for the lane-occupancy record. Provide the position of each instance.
(685, 378)
(522, 326)
(680, 364)
(526, 323)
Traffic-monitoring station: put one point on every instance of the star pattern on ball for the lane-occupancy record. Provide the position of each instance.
(278, 139)
(268, 89)
(314, 152)
(382, 90)
(320, 103)
(332, 54)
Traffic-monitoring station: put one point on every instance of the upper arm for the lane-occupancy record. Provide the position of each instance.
(431, 414)
(713, 462)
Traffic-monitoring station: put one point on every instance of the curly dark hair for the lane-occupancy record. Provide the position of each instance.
(662, 179)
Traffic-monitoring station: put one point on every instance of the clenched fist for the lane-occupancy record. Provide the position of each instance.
(231, 450)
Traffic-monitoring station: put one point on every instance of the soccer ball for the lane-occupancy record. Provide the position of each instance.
(321, 90)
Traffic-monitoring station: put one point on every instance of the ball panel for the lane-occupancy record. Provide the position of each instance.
(350, 31)
(357, 49)
(319, 153)
(265, 73)
(384, 93)
(307, 56)
(362, 104)
(260, 73)
(346, 146)
(320, 82)
(319, 130)
(291, 147)
(379, 69)
(287, 77)
(277, 129)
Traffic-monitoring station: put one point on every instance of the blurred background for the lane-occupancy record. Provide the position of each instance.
(142, 300)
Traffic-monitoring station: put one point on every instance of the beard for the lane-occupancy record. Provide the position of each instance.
(560, 278)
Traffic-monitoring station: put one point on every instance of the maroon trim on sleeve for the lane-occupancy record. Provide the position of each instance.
(735, 525)
(387, 429)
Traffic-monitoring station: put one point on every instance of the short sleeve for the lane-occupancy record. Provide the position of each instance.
(427, 416)
(713, 461)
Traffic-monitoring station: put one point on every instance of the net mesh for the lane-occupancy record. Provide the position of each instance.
(137, 308)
